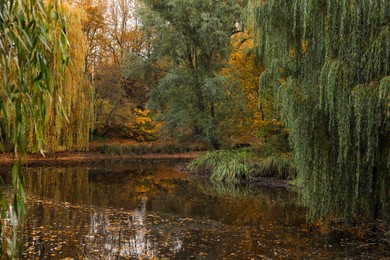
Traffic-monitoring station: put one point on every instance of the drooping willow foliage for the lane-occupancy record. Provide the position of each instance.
(329, 63)
(73, 91)
(25, 85)
(44, 101)
(53, 101)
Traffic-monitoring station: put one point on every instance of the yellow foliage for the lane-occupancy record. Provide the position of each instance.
(304, 47)
(243, 75)
(75, 91)
(69, 108)
(143, 128)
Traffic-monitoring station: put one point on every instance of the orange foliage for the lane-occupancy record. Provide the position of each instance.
(142, 128)
(243, 75)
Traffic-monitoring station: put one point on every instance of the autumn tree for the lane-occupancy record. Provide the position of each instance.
(328, 62)
(124, 35)
(113, 34)
(194, 36)
(68, 109)
(127, 45)
(73, 90)
(242, 73)
(94, 27)
(33, 55)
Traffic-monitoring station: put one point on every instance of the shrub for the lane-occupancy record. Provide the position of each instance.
(143, 129)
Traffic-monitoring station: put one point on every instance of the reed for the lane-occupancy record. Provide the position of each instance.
(225, 165)
(277, 166)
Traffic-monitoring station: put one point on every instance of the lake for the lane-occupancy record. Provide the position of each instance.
(148, 209)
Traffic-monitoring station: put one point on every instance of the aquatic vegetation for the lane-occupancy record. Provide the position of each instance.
(279, 166)
(234, 165)
(225, 165)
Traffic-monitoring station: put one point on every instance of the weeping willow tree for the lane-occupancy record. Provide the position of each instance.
(329, 63)
(73, 91)
(69, 109)
(44, 100)
(25, 85)
(53, 101)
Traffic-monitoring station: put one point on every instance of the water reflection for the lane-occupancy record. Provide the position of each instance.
(131, 210)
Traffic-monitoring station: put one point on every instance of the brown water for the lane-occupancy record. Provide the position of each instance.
(149, 210)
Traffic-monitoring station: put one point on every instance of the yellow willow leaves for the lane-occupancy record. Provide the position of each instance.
(73, 93)
(304, 48)
(68, 110)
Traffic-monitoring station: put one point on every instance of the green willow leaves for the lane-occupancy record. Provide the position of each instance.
(328, 61)
(33, 60)
(25, 78)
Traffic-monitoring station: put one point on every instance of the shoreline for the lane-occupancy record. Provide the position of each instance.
(93, 157)
(76, 158)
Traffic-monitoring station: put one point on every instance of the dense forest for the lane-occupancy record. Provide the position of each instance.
(296, 89)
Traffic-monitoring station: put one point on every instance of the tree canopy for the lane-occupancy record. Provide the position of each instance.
(329, 64)
(29, 91)
(194, 38)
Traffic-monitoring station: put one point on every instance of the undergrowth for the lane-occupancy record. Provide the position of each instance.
(225, 165)
(234, 165)
(277, 166)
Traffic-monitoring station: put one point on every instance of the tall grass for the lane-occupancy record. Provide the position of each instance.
(278, 166)
(225, 165)
(234, 165)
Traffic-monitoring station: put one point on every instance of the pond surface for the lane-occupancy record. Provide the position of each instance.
(150, 210)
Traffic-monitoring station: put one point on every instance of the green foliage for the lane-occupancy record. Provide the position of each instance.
(26, 83)
(141, 75)
(25, 78)
(39, 83)
(328, 62)
(224, 165)
(234, 165)
(194, 37)
(279, 166)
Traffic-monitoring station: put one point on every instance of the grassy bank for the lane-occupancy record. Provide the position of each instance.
(235, 165)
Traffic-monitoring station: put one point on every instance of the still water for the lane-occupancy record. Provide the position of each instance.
(151, 210)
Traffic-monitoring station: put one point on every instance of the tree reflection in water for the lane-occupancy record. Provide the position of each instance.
(149, 210)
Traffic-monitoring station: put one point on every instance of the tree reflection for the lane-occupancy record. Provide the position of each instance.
(125, 212)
